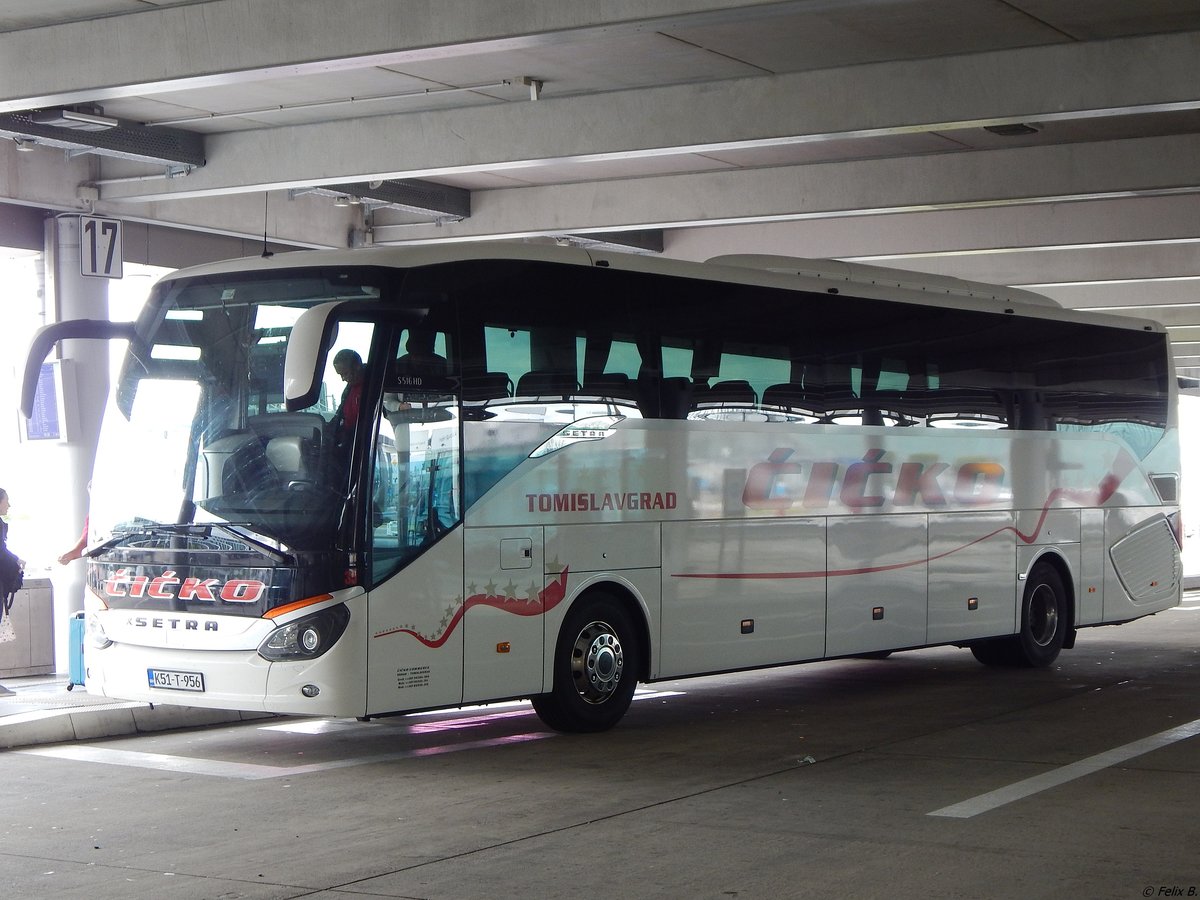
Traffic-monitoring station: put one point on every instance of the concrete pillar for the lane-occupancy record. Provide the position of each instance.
(85, 390)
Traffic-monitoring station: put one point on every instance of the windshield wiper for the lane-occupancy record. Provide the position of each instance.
(283, 559)
(113, 541)
(201, 530)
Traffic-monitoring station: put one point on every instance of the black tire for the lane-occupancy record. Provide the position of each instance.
(1044, 623)
(597, 659)
(1043, 617)
(996, 652)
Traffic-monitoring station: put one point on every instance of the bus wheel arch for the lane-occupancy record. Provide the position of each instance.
(600, 654)
(1070, 593)
(1047, 619)
(1047, 611)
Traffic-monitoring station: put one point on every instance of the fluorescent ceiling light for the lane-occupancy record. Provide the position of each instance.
(74, 119)
(1013, 129)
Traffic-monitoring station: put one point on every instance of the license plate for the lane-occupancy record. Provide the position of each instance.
(170, 680)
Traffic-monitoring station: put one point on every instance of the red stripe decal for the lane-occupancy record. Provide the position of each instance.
(546, 601)
(1122, 466)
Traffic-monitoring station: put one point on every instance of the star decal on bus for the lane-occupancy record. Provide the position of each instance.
(536, 604)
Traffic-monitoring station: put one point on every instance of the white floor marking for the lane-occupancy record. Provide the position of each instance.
(251, 771)
(1021, 789)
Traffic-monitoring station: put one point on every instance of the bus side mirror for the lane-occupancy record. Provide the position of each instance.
(313, 335)
(72, 329)
(307, 346)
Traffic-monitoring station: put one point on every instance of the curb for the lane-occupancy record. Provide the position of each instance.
(110, 720)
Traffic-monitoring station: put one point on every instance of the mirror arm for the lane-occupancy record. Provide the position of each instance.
(48, 336)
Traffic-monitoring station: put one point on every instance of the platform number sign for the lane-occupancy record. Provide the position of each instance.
(100, 247)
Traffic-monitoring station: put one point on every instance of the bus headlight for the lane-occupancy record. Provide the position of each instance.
(307, 637)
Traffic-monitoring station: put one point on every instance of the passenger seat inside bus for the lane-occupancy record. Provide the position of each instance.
(546, 383)
(609, 386)
(791, 397)
(663, 398)
(725, 393)
(480, 386)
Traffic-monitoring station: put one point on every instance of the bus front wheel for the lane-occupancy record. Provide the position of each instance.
(1043, 624)
(596, 662)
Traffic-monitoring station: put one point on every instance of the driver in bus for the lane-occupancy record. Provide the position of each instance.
(421, 371)
(349, 366)
(420, 357)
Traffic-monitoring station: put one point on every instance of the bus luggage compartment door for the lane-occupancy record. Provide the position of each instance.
(504, 582)
(740, 593)
(878, 583)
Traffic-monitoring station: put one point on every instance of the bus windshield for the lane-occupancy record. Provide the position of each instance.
(201, 401)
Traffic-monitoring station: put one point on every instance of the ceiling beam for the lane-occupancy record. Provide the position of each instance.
(1173, 316)
(993, 178)
(223, 42)
(1084, 264)
(44, 180)
(646, 242)
(1124, 294)
(1091, 79)
(125, 140)
(905, 240)
(424, 198)
(305, 222)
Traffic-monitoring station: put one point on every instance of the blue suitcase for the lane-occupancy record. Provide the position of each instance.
(75, 670)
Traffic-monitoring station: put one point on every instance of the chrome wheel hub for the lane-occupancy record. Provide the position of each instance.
(597, 662)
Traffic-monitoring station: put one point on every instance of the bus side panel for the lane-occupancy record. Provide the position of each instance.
(972, 560)
(606, 547)
(1029, 554)
(742, 593)
(626, 556)
(506, 600)
(1144, 572)
(1051, 526)
(878, 583)
(415, 638)
(1060, 529)
(1093, 555)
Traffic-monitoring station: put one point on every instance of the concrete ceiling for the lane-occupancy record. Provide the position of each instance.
(855, 129)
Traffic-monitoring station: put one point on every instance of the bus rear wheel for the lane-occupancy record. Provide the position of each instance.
(597, 658)
(1044, 622)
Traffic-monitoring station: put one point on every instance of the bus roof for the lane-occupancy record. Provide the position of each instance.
(791, 273)
(857, 273)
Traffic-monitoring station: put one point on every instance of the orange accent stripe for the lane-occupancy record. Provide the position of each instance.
(299, 604)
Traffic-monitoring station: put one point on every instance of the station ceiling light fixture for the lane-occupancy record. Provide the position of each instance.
(1013, 129)
(90, 119)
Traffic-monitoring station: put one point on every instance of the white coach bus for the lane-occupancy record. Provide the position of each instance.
(572, 471)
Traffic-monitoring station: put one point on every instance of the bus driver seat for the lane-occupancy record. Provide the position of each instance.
(292, 443)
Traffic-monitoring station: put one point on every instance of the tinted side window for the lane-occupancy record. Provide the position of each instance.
(668, 347)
